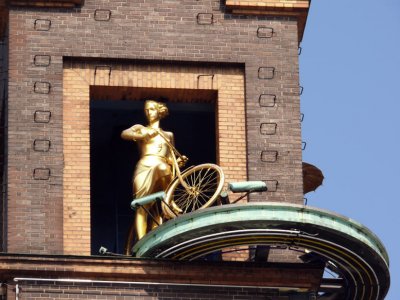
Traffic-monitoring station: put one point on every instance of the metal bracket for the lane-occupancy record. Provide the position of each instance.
(151, 215)
(205, 75)
(41, 145)
(169, 207)
(301, 117)
(268, 128)
(41, 174)
(105, 67)
(299, 50)
(265, 32)
(241, 197)
(102, 15)
(272, 185)
(266, 72)
(42, 60)
(269, 156)
(42, 24)
(41, 87)
(42, 116)
(267, 100)
(301, 89)
(205, 18)
(216, 5)
(303, 145)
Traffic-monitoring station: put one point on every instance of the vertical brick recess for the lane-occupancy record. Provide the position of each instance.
(76, 164)
(3, 124)
(52, 216)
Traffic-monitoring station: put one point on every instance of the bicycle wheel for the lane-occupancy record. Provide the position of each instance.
(204, 184)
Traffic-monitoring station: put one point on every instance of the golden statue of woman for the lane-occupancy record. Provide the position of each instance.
(154, 171)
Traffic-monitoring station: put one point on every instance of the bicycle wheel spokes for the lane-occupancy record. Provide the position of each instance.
(211, 183)
(200, 187)
(208, 174)
(184, 198)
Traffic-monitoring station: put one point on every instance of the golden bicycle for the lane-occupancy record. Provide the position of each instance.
(193, 188)
(196, 187)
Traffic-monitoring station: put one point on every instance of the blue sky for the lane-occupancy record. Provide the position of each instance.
(350, 70)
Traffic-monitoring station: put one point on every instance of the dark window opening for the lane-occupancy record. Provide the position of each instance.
(112, 160)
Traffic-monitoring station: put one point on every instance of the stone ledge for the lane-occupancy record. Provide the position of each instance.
(47, 3)
(301, 276)
(268, 4)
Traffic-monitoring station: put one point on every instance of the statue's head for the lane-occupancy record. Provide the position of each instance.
(155, 110)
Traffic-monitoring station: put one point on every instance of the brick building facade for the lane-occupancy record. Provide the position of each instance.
(199, 37)
(59, 57)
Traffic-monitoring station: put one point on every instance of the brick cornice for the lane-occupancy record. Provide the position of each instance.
(46, 3)
(288, 8)
(302, 276)
(269, 4)
(285, 8)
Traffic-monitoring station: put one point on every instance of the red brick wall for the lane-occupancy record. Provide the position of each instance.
(73, 277)
(3, 127)
(149, 30)
(39, 290)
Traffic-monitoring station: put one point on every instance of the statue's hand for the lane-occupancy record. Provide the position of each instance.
(182, 161)
(151, 132)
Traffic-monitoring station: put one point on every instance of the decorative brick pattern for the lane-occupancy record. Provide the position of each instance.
(40, 211)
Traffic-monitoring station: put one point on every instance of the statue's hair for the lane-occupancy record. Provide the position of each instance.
(161, 107)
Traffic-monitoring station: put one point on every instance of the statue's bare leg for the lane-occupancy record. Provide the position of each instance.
(157, 216)
(138, 228)
(130, 239)
(141, 222)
